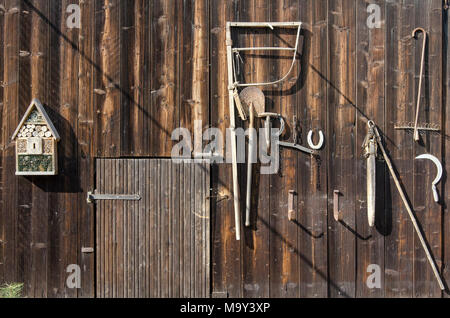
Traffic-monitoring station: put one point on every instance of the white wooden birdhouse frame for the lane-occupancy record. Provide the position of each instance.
(36, 143)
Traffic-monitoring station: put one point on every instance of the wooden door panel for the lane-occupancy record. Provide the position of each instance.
(157, 246)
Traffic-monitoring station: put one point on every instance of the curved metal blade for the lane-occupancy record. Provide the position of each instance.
(439, 172)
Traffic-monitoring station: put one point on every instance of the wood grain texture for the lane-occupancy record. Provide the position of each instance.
(429, 214)
(108, 73)
(135, 70)
(370, 101)
(85, 150)
(226, 269)
(312, 172)
(399, 108)
(40, 65)
(165, 56)
(446, 150)
(256, 248)
(24, 201)
(125, 176)
(342, 151)
(2, 104)
(284, 253)
(10, 119)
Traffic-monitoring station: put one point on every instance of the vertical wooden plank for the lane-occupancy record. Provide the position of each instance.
(312, 179)
(370, 45)
(130, 50)
(159, 229)
(2, 105)
(429, 214)
(56, 201)
(131, 230)
(255, 247)
(24, 190)
(284, 273)
(142, 226)
(187, 230)
(182, 248)
(399, 108)
(226, 250)
(148, 228)
(137, 234)
(175, 230)
(108, 77)
(120, 213)
(207, 229)
(67, 128)
(198, 239)
(341, 150)
(154, 247)
(86, 164)
(194, 56)
(108, 216)
(136, 76)
(445, 190)
(39, 55)
(165, 110)
(10, 119)
(99, 230)
(164, 229)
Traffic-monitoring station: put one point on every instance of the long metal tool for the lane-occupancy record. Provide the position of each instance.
(416, 131)
(231, 88)
(233, 96)
(370, 153)
(253, 100)
(406, 203)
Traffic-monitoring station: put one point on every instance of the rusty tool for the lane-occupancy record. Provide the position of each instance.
(406, 203)
(337, 214)
(370, 153)
(253, 100)
(233, 85)
(416, 131)
(291, 209)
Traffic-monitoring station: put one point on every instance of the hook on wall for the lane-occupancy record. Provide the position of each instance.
(338, 215)
(291, 210)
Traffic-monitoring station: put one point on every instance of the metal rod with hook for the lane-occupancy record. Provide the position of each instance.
(416, 131)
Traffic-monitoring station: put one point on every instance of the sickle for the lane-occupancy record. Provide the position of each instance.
(438, 176)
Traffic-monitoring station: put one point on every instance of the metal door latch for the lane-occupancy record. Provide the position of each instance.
(94, 196)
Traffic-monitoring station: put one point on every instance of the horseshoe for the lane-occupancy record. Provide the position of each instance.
(438, 176)
(311, 144)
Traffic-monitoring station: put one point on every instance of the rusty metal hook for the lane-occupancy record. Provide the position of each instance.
(416, 131)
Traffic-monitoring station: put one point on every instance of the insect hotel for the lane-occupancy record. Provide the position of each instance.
(36, 143)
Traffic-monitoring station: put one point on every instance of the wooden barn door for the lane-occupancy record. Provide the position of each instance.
(157, 246)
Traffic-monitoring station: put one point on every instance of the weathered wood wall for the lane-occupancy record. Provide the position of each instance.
(136, 70)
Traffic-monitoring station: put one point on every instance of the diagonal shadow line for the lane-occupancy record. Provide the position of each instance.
(316, 236)
(348, 227)
(96, 67)
(304, 258)
(349, 101)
